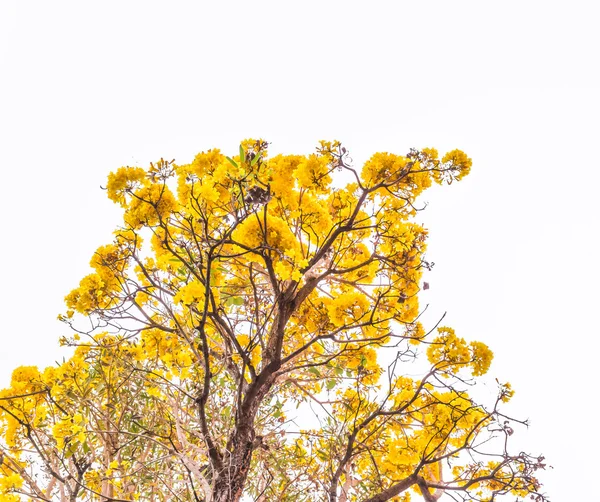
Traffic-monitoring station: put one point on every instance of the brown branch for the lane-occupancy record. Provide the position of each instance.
(394, 490)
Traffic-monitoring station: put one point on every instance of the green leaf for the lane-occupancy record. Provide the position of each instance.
(86, 447)
(234, 300)
(255, 159)
(330, 384)
(71, 449)
(339, 371)
(233, 162)
(242, 154)
(314, 371)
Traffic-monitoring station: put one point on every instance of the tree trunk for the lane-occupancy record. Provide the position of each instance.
(230, 482)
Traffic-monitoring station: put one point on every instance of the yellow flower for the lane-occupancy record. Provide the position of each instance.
(382, 167)
(283, 270)
(207, 190)
(282, 181)
(93, 293)
(313, 173)
(506, 392)
(149, 205)
(347, 308)
(276, 234)
(455, 166)
(452, 353)
(126, 179)
(67, 429)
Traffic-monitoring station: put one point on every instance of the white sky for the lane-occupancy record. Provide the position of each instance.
(88, 86)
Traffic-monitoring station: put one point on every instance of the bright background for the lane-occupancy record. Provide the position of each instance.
(86, 87)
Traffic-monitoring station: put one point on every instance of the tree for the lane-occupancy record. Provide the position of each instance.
(237, 290)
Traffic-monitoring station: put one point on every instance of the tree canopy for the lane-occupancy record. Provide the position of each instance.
(251, 333)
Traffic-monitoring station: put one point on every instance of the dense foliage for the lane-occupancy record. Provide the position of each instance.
(248, 335)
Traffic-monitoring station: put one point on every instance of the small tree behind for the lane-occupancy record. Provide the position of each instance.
(237, 290)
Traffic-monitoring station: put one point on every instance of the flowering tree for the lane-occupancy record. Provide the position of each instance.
(247, 337)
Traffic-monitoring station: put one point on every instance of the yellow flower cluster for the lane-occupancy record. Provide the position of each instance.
(193, 292)
(150, 205)
(25, 379)
(506, 392)
(124, 181)
(348, 308)
(359, 256)
(110, 262)
(454, 165)
(452, 353)
(9, 481)
(481, 358)
(29, 384)
(312, 173)
(282, 181)
(277, 234)
(207, 190)
(459, 161)
(67, 429)
(312, 215)
(206, 163)
(206, 181)
(275, 238)
(285, 271)
(251, 350)
(156, 345)
(92, 293)
(383, 167)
